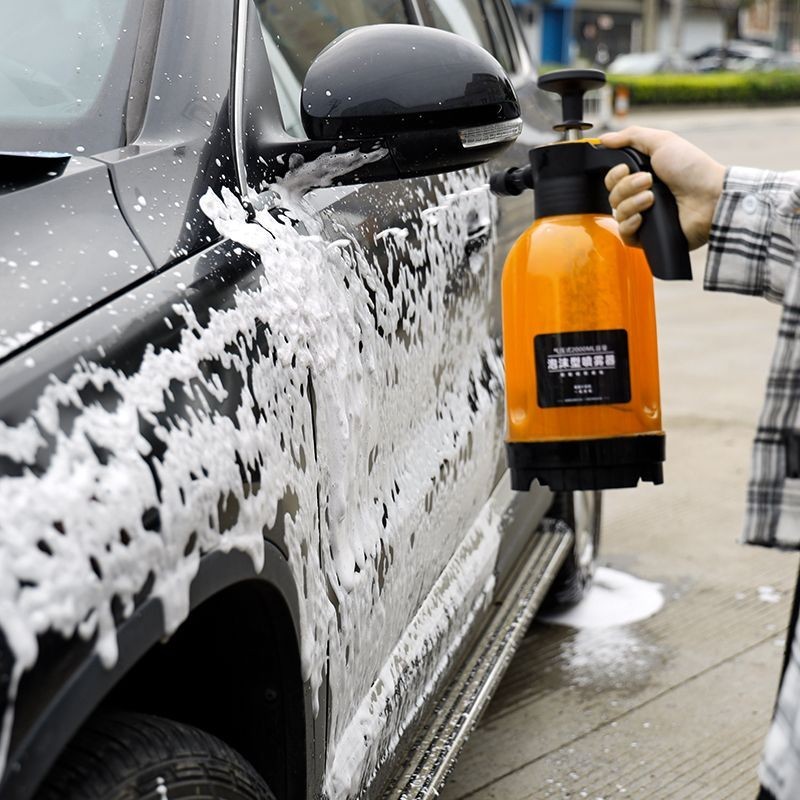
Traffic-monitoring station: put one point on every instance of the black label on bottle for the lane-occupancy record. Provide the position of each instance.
(582, 368)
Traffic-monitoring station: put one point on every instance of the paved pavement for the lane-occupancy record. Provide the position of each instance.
(674, 707)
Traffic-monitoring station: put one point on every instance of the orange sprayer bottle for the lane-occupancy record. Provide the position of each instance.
(579, 330)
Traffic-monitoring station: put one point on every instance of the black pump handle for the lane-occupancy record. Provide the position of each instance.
(557, 166)
(572, 84)
(660, 234)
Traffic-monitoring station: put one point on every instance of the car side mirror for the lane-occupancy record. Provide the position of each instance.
(426, 100)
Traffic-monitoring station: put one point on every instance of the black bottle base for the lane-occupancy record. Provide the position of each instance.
(614, 463)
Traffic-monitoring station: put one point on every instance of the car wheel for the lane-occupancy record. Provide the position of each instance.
(125, 756)
(581, 511)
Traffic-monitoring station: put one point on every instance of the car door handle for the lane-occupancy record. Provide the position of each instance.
(477, 238)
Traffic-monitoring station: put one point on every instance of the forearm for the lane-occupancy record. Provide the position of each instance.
(755, 233)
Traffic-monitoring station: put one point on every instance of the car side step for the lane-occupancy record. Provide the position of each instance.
(445, 731)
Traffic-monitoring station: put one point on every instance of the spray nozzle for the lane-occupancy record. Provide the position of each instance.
(511, 182)
(572, 84)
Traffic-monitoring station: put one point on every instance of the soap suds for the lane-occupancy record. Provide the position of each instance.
(385, 495)
(458, 595)
(615, 598)
(604, 653)
(8, 344)
(769, 594)
(607, 658)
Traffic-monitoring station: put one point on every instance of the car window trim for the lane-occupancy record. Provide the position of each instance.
(529, 68)
(237, 95)
(414, 12)
(516, 46)
(509, 34)
(524, 67)
(144, 60)
(499, 39)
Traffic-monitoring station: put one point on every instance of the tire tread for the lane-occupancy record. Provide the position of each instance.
(119, 756)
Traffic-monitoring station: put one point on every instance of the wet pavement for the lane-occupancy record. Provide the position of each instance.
(675, 706)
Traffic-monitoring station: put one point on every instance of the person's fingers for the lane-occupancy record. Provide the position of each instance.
(645, 140)
(628, 229)
(628, 186)
(634, 205)
(615, 175)
(616, 139)
(695, 179)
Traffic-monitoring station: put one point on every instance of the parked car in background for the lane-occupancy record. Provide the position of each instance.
(743, 56)
(256, 529)
(650, 63)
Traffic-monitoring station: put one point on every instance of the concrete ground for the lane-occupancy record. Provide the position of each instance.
(674, 707)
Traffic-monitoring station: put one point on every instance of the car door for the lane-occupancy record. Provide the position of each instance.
(392, 285)
(491, 24)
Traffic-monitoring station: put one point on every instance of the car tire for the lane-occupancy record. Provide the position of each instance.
(127, 756)
(581, 511)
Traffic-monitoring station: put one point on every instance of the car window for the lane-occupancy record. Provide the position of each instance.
(500, 31)
(480, 21)
(295, 31)
(65, 67)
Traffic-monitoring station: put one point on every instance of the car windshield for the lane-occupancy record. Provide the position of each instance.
(65, 71)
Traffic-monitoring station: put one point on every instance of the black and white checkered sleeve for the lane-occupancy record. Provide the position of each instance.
(754, 235)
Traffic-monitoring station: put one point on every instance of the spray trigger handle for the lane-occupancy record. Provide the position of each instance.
(660, 234)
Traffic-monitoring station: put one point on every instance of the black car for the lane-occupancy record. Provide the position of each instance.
(257, 536)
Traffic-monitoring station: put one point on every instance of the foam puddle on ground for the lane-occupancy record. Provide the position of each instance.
(605, 653)
(769, 594)
(615, 598)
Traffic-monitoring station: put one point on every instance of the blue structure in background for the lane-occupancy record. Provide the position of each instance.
(557, 31)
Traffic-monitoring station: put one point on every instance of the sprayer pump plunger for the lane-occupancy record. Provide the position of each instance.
(572, 84)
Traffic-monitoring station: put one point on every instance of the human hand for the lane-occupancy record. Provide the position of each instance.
(693, 177)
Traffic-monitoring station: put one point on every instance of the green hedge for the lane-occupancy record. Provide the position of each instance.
(750, 88)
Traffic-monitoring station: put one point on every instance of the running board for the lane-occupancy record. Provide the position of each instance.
(461, 703)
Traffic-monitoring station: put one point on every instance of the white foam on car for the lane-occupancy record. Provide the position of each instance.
(64, 559)
(8, 344)
(615, 598)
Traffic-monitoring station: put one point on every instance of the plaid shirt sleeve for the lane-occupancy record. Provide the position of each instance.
(754, 234)
(753, 249)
